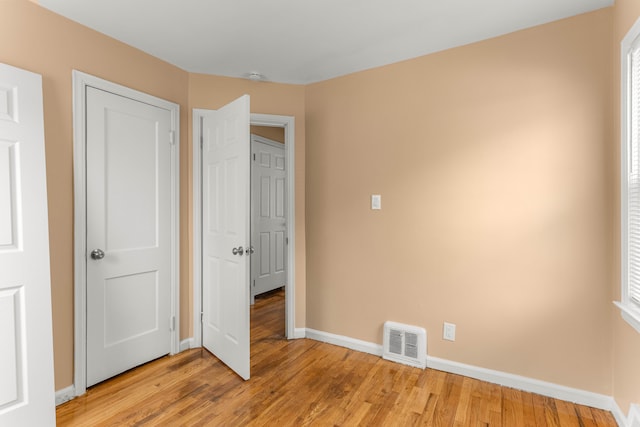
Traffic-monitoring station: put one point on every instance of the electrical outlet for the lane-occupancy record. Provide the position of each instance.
(449, 331)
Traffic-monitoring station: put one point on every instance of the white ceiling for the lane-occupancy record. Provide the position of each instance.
(305, 41)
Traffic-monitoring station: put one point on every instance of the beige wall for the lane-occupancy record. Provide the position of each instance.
(498, 168)
(626, 349)
(490, 160)
(212, 92)
(40, 41)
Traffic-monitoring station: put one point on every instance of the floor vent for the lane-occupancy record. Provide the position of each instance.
(405, 344)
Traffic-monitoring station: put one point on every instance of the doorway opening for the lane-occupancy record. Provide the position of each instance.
(268, 211)
(286, 123)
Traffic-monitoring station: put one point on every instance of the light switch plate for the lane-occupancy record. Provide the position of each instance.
(376, 201)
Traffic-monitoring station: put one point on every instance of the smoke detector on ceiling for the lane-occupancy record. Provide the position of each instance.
(255, 76)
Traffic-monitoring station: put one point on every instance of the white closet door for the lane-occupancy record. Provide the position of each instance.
(128, 233)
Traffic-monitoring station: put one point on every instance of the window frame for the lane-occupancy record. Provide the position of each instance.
(630, 311)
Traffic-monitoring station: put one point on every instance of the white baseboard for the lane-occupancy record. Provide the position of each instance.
(631, 420)
(299, 333)
(342, 341)
(619, 416)
(556, 391)
(634, 416)
(65, 394)
(186, 344)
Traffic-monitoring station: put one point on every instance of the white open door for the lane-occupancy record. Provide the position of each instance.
(27, 396)
(225, 234)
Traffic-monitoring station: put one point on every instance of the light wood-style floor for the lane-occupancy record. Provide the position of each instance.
(304, 382)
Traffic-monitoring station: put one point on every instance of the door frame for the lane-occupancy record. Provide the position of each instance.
(269, 120)
(80, 83)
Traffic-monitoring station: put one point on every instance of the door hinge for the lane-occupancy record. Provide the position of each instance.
(172, 323)
(254, 157)
(254, 283)
(201, 141)
(286, 240)
(201, 317)
(172, 137)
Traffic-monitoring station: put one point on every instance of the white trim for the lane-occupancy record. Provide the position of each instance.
(618, 415)
(343, 341)
(630, 420)
(197, 226)
(299, 333)
(556, 391)
(633, 420)
(186, 344)
(65, 395)
(288, 123)
(630, 315)
(80, 83)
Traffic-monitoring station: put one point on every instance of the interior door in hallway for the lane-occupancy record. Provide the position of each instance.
(225, 234)
(27, 396)
(268, 221)
(128, 233)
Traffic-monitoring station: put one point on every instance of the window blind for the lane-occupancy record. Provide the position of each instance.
(633, 184)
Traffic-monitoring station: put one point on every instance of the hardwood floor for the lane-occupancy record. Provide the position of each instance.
(305, 382)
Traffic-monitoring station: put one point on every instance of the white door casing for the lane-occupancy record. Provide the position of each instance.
(268, 210)
(27, 395)
(117, 262)
(128, 220)
(288, 123)
(225, 234)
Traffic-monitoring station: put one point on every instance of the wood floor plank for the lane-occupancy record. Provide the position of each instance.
(446, 404)
(539, 410)
(529, 416)
(567, 414)
(512, 411)
(305, 382)
(602, 418)
(481, 404)
(463, 408)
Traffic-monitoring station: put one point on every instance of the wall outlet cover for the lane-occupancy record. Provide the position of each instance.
(449, 331)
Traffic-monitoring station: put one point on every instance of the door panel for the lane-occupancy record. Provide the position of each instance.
(225, 201)
(268, 173)
(124, 316)
(131, 175)
(129, 219)
(27, 395)
(8, 191)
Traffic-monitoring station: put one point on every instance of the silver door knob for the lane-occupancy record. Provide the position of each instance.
(237, 251)
(97, 254)
(250, 250)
